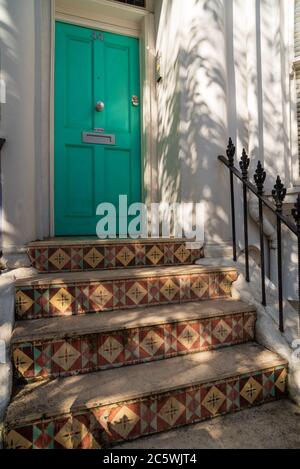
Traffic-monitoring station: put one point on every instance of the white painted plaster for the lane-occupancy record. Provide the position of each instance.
(226, 72)
(6, 326)
(17, 30)
(7, 310)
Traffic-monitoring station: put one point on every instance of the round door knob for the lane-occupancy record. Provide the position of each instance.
(100, 106)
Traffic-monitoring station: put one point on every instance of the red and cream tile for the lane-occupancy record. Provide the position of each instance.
(34, 302)
(97, 256)
(102, 351)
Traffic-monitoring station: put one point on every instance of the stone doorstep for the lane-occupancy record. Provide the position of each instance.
(79, 255)
(89, 292)
(90, 240)
(80, 344)
(126, 403)
(124, 274)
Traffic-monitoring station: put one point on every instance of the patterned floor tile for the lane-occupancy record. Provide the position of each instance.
(199, 287)
(102, 351)
(124, 422)
(111, 351)
(61, 300)
(251, 390)
(72, 433)
(93, 258)
(77, 261)
(101, 297)
(193, 405)
(213, 400)
(188, 337)
(151, 342)
(205, 334)
(66, 356)
(43, 436)
(221, 331)
(72, 258)
(23, 360)
(136, 293)
(59, 259)
(169, 288)
(34, 302)
(171, 412)
(233, 395)
(156, 413)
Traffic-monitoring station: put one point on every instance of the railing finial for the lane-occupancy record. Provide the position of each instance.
(244, 164)
(296, 212)
(259, 178)
(230, 152)
(278, 194)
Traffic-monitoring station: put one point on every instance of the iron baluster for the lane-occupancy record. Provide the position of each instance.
(279, 193)
(244, 165)
(230, 155)
(259, 179)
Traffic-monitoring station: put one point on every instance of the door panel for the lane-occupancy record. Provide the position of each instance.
(80, 170)
(91, 67)
(117, 87)
(117, 159)
(78, 68)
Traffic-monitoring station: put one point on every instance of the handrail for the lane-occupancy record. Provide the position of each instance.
(278, 194)
(265, 201)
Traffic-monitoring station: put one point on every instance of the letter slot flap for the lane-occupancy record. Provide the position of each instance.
(98, 139)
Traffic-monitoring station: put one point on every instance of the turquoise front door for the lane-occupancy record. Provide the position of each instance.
(97, 90)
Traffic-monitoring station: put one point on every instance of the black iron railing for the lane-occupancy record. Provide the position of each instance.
(278, 194)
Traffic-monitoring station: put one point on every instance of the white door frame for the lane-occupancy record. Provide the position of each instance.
(122, 19)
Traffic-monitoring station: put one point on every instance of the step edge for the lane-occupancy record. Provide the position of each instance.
(85, 332)
(97, 241)
(160, 271)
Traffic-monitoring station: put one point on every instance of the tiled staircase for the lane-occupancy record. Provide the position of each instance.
(166, 345)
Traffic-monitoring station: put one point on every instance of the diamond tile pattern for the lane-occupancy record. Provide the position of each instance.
(39, 301)
(101, 425)
(78, 258)
(128, 420)
(127, 347)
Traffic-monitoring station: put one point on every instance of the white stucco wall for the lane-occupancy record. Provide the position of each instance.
(192, 120)
(235, 57)
(18, 121)
(226, 72)
(25, 121)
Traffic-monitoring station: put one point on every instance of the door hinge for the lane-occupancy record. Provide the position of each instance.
(97, 36)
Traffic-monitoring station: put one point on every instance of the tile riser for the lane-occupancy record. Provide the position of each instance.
(33, 302)
(93, 257)
(64, 357)
(127, 420)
